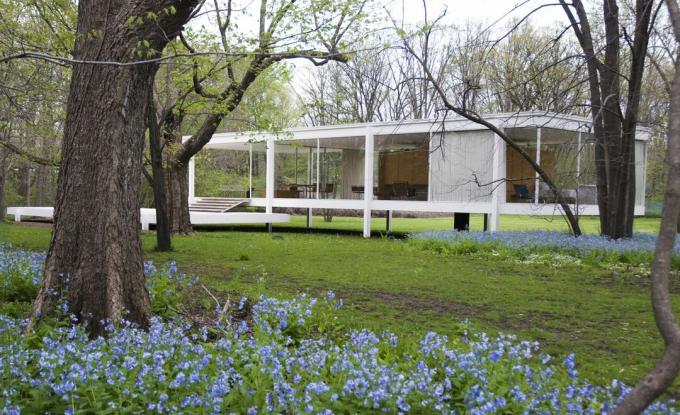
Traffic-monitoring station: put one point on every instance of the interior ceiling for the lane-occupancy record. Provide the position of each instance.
(382, 142)
(548, 135)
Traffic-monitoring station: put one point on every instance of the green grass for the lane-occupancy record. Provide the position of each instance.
(589, 224)
(601, 315)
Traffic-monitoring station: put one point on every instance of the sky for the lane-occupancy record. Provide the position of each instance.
(494, 14)
(488, 11)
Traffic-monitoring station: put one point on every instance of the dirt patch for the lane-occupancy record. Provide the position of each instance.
(635, 277)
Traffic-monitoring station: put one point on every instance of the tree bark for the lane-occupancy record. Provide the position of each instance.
(176, 175)
(3, 180)
(163, 241)
(659, 378)
(177, 191)
(95, 259)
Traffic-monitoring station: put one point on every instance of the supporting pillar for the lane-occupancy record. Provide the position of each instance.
(578, 159)
(461, 221)
(368, 181)
(578, 169)
(388, 221)
(318, 166)
(498, 173)
(538, 161)
(192, 180)
(270, 176)
(309, 218)
(249, 193)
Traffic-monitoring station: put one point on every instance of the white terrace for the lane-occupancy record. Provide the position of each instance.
(453, 166)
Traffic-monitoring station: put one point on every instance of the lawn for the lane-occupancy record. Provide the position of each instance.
(601, 314)
(589, 224)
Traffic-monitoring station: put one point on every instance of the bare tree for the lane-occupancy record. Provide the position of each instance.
(465, 111)
(657, 380)
(354, 91)
(614, 112)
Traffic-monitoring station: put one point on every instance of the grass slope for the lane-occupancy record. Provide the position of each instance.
(601, 315)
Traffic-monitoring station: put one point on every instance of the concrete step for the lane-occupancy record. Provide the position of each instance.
(215, 204)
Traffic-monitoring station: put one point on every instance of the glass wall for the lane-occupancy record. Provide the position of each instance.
(222, 173)
(559, 161)
(570, 167)
(258, 180)
(320, 169)
(402, 167)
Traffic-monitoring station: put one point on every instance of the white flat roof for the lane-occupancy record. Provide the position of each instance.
(515, 120)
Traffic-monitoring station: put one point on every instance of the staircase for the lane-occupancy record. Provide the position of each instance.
(215, 204)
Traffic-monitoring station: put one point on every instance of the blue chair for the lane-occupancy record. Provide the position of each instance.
(522, 192)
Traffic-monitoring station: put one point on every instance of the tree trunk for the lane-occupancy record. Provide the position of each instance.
(662, 376)
(163, 241)
(614, 128)
(176, 175)
(177, 192)
(95, 256)
(3, 180)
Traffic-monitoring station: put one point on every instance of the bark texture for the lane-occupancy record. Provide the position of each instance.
(177, 191)
(163, 241)
(3, 180)
(657, 380)
(176, 175)
(95, 257)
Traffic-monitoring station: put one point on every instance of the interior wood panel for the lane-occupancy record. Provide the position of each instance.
(403, 166)
(518, 170)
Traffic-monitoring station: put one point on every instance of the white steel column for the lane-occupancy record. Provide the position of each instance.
(270, 176)
(309, 168)
(368, 181)
(250, 171)
(538, 161)
(192, 180)
(318, 166)
(429, 168)
(498, 174)
(578, 161)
